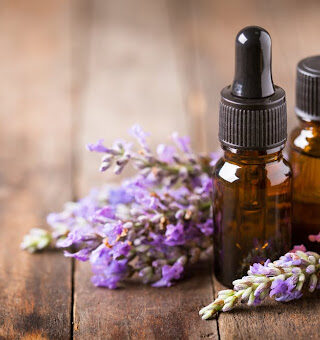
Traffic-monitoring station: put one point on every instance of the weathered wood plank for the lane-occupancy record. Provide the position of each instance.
(133, 78)
(142, 312)
(35, 172)
(205, 42)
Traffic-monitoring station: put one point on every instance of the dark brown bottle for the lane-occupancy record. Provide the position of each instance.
(305, 154)
(252, 181)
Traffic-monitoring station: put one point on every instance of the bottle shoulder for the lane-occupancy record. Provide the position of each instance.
(305, 139)
(276, 172)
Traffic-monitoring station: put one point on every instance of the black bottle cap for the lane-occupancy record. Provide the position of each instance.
(308, 89)
(253, 110)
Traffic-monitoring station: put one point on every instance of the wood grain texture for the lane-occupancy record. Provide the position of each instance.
(133, 78)
(35, 290)
(142, 312)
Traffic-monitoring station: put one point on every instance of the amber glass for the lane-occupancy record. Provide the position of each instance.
(252, 210)
(305, 159)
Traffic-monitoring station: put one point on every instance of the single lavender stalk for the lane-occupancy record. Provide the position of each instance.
(285, 279)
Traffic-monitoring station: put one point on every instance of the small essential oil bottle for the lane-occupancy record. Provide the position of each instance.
(305, 154)
(252, 181)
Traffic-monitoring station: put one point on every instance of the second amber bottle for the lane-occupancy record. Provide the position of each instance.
(252, 181)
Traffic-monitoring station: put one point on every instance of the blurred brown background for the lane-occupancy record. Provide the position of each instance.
(105, 65)
(78, 70)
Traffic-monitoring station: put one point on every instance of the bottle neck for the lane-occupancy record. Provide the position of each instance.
(253, 156)
(309, 124)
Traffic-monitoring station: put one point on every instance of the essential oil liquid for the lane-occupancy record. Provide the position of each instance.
(252, 209)
(306, 198)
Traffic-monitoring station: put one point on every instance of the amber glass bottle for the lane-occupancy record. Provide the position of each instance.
(252, 181)
(305, 154)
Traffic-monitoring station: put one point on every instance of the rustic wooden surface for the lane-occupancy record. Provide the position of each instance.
(74, 71)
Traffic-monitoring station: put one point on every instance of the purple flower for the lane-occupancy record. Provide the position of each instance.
(278, 286)
(120, 249)
(294, 295)
(137, 132)
(81, 255)
(112, 231)
(166, 153)
(215, 156)
(106, 212)
(108, 272)
(75, 237)
(285, 290)
(97, 147)
(175, 234)
(206, 227)
(147, 224)
(263, 269)
(119, 195)
(183, 143)
(169, 273)
(110, 275)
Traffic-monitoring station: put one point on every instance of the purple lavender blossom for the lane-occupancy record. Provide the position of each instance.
(183, 143)
(152, 225)
(169, 273)
(97, 147)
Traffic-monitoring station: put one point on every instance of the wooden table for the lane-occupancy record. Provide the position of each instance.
(74, 71)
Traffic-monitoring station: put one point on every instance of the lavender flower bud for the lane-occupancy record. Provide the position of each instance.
(313, 283)
(107, 158)
(311, 269)
(251, 299)
(104, 166)
(179, 214)
(246, 294)
(37, 239)
(118, 169)
(122, 161)
(156, 218)
(261, 288)
(228, 306)
(225, 292)
(240, 286)
(312, 259)
(146, 273)
(145, 172)
(143, 218)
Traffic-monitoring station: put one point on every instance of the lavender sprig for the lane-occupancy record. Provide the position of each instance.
(285, 279)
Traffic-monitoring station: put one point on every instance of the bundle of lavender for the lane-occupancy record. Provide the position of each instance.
(154, 224)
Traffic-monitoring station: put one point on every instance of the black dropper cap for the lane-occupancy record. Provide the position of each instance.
(308, 89)
(253, 110)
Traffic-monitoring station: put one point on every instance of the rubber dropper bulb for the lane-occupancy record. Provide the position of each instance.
(253, 75)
